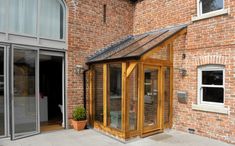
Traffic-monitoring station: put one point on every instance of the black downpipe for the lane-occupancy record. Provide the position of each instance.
(84, 90)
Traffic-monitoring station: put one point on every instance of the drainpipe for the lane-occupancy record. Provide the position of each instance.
(84, 90)
(84, 87)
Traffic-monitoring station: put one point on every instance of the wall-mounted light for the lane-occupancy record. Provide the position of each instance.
(79, 69)
(183, 72)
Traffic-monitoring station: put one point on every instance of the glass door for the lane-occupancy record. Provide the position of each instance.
(24, 92)
(151, 99)
(3, 127)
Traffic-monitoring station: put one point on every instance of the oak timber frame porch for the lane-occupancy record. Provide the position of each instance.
(134, 71)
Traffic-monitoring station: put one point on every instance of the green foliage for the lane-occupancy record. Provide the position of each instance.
(79, 113)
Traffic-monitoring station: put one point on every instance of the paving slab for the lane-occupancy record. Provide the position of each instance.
(94, 138)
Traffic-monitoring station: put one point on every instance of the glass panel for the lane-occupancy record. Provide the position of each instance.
(160, 36)
(25, 113)
(150, 96)
(211, 5)
(51, 19)
(115, 95)
(23, 16)
(2, 14)
(124, 47)
(167, 94)
(162, 54)
(2, 101)
(133, 99)
(134, 46)
(98, 94)
(213, 94)
(212, 77)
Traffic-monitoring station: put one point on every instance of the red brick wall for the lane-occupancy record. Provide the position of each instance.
(87, 33)
(214, 36)
(154, 14)
(209, 37)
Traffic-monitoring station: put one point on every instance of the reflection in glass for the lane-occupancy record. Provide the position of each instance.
(211, 5)
(2, 105)
(213, 94)
(98, 82)
(25, 116)
(212, 77)
(132, 91)
(150, 96)
(115, 96)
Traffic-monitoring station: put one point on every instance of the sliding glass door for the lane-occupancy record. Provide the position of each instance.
(2, 93)
(24, 92)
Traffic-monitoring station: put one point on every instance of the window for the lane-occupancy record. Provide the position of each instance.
(52, 19)
(207, 6)
(98, 93)
(37, 18)
(132, 92)
(115, 96)
(23, 17)
(2, 14)
(211, 84)
(115, 80)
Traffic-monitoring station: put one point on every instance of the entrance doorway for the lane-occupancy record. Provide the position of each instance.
(51, 92)
(31, 91)
(152, 99)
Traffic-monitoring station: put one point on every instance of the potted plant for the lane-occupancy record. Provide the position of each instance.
(79, 118)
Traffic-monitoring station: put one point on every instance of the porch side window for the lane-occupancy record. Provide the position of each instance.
(207, 6)
(115, 96)
(98, 93)
(211, 84)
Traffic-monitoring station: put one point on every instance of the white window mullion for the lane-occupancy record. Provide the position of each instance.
(213, 86)
(199, 7)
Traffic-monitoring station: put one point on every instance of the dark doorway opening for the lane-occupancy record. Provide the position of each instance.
(51, 86)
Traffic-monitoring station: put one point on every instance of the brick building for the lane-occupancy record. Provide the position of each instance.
(202, 65)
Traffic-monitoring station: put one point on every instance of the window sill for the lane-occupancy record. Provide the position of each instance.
(210, 108)
(210, 15)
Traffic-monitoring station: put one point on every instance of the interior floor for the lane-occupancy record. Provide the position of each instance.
(51, 125)
(51, 116)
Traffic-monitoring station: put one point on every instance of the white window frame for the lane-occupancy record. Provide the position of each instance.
(199, 9)
(200, 85)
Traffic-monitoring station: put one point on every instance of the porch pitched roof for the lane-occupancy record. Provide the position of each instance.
(133, 47)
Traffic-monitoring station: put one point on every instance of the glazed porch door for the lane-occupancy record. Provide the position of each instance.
(24, 92)
(151, 99)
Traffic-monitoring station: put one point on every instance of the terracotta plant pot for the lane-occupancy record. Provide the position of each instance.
(78, 125)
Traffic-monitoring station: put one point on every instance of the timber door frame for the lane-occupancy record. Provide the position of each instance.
(158, 127)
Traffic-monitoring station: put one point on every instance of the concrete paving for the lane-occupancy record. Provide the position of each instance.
(93, 138)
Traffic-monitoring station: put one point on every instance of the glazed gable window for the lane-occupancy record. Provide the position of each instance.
(34, 18)
(206, 6)
(211, 84)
